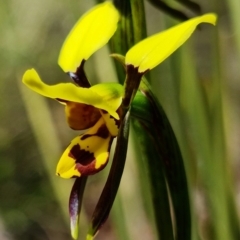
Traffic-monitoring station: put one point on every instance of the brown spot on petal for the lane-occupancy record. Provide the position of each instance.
(85, 161)
(104, 111)
(102, 133)
(87, 170)
(81, 116)
(81, 156)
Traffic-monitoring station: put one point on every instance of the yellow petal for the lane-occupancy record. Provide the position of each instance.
(150, 52)
(87, 153)
(106, 96)
(91, 32)
(111, 123)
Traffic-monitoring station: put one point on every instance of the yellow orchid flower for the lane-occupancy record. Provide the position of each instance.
(95, 107)
(101, 109)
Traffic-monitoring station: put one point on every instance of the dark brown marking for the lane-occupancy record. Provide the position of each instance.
(61, 100)
(81, 116)
(85, 160)
(81, 156)
(104, 111)
(132, 83)
(102, 133)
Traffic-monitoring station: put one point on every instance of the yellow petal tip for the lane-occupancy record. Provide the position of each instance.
(92, 31)
(210, 18)
(28, 75)
(153, 50)
(33, 81)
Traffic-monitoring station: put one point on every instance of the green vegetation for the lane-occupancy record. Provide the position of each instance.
(198, 88)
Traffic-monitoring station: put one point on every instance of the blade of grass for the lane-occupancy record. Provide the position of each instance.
(234, 9)
(223, 201)
(173, 165)
(159, 194)
(44, 130)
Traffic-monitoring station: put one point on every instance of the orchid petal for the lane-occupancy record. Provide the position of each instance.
(92, 31)
(106, 96)
(87, 154)
(150, 52)
(111, 123)
(81, 116)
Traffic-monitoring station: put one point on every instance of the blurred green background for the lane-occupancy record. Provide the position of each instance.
(198, 87)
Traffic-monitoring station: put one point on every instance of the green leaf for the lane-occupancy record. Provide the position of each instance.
(152, 164)
(169, 155)
(161, 5)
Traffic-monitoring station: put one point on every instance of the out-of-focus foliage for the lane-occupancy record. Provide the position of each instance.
(32, 33)
(33, 133)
